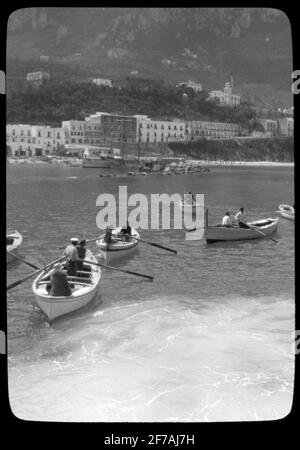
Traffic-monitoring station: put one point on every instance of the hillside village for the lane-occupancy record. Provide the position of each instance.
(112, 129)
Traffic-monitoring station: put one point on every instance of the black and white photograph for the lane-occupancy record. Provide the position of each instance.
(150, 216)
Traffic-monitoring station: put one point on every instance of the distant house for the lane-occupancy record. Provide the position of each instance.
(286, 126)
(37, 78)
(226, 97)
(44, 58)
(197, 87)
(270, 126)
(102, 82)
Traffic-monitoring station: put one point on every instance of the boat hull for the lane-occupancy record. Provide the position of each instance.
(121, 249)
(287, 212)
(58, 306)
(18, 238)
(219, 233)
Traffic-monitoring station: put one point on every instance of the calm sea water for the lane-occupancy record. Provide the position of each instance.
(211, 339)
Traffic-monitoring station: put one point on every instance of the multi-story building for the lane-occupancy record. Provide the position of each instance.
(33, 140)
(74, 131)
(102, 82)
(226, 97)
(112, 128)
(270, 127)
(151, 131)
(197, 87)
(286, 126)
(198, 129)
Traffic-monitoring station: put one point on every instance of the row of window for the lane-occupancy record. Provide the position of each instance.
(162, 126)
(58, 136)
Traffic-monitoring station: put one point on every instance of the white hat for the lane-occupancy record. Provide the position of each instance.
(74, 240)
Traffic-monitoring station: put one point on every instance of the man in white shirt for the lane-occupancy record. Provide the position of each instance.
(241, 218)
(226, 221)
(72, 256)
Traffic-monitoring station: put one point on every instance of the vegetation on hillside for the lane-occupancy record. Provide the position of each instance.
(54, 102)
(268, 149)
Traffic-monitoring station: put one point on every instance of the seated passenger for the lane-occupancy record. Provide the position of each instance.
(59, 283)
(226, 221)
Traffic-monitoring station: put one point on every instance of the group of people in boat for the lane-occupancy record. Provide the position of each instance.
(75, 253)
(124, 234)
(239, 219)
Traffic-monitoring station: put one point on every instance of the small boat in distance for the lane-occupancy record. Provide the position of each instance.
(287, 211)
(234, 233)
(83, 287)
(13, 241)
(119, 247)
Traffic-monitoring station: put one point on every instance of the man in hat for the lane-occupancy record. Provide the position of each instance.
(72, 255)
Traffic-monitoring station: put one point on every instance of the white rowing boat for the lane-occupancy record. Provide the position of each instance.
(118, 248)
(287, 211)
(84, 287)
(219, 233)
(13, 241)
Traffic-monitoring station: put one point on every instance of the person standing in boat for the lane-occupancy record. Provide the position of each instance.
(226, 221)
(241, 218)
(108, 236)
(126, 232)
(81, 251)
(72, 256)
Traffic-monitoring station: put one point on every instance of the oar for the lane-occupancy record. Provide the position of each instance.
(119, 270)
(259, 231)
(16, 283)
(23, 260)
(155, 245)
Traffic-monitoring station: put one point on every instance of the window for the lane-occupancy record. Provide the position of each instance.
(28, 133)
(13, 132)
(48, 134)
(73, 141)
(22, 133)
(80, 141)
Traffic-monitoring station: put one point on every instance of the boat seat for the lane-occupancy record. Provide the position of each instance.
(79, 279)
(84, 272)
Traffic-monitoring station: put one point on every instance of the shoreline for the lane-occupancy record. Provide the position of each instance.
(205, 163)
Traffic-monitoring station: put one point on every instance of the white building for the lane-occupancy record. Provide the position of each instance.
(286, 126)
(197, 87)
(33, 140)
(102, 82)
(226, 97)
(198, 129)
(38, 77)
(75, 131)
(151, 131)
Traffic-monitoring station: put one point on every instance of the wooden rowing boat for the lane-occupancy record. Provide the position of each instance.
(287, 211)
(118, 248)
(13, 241)
(219, 233)
(84, 287)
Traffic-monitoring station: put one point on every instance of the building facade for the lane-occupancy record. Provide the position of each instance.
(197, 87)
(197, 129)
(226, 97)
(151, 131)
(37, 78)
(270, 127)
(102, 82)
(33, 140)
(286, 126)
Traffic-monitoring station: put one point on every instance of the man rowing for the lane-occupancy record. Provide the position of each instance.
(241, 218)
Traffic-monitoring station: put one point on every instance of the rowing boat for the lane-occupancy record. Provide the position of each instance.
(13, 241)
(83, 286)
(219, 233)
(287, 211)
(118, 247)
